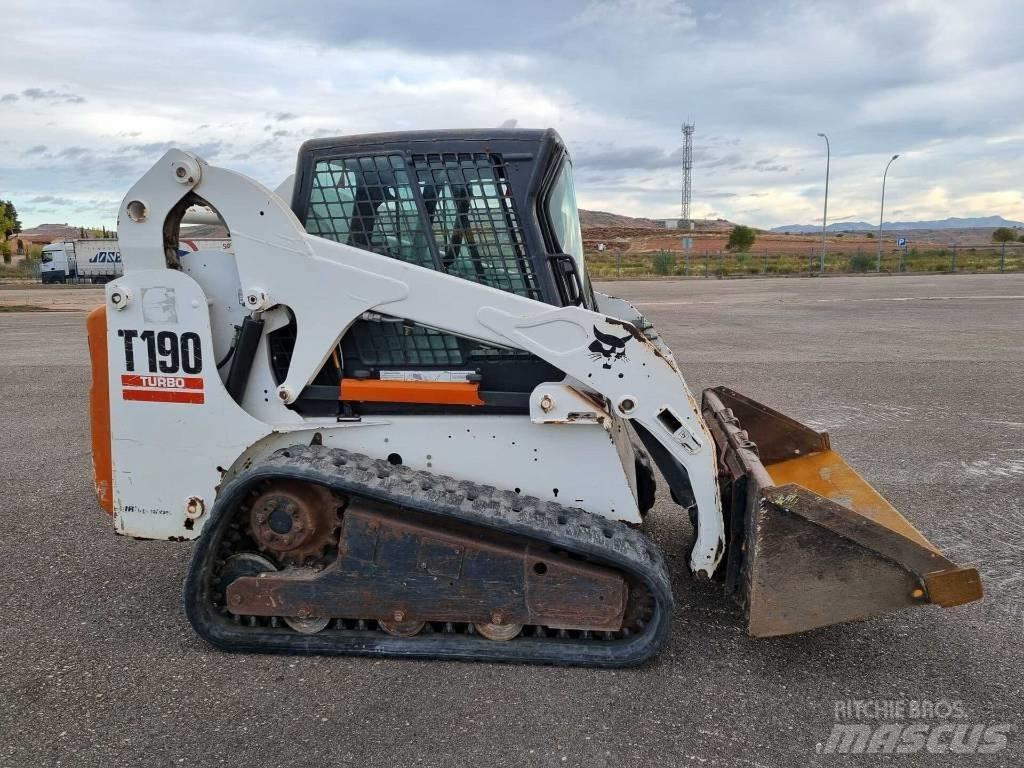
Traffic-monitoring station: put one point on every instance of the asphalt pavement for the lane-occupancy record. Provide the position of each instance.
(919, 381)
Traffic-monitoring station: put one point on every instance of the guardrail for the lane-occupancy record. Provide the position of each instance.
(1001, 257)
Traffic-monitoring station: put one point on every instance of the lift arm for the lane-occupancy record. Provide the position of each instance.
(328, 285)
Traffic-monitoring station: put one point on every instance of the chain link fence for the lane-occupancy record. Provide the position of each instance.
(1000, 257)
(19, 268)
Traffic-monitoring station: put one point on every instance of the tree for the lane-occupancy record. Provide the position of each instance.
(1004, 235)
(9, 222)
(741, 238)
(869, 235)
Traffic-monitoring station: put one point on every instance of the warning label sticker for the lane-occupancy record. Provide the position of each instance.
(162, 389)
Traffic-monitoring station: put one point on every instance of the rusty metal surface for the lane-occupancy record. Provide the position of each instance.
(955, 586)
(499, 632)
(798, 560)
(294, 522)
(401, 628)
(777, 436)
(399, 570)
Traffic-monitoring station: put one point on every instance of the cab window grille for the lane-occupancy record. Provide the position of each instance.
(368, 203)
(471, 224)
(474, 221)
(382, 344)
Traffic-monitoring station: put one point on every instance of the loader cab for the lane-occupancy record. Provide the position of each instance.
(496, 207)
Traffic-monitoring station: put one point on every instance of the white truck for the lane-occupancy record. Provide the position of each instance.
(92, 260)
(98, 260)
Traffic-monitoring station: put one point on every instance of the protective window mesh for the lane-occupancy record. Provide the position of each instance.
(368, 203)
(474, 221)
(382, 344)
(468, 212)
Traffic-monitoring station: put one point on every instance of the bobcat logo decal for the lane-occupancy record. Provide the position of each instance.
(608, 347)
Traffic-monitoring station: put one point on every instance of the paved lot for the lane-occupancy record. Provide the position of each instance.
(38, 296)
(919, 380)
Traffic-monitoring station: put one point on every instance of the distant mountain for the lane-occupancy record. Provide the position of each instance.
(978, 222)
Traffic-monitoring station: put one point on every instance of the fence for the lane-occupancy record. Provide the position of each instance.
(19, 267)
(1005, 257)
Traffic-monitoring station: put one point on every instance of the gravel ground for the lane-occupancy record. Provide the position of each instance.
(919, 381)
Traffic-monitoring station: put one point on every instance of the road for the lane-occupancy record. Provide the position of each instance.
(919, 381)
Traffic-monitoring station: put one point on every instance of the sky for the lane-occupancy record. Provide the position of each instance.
(91, 94)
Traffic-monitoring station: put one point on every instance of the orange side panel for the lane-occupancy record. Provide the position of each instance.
(99, 409)
(431, 392)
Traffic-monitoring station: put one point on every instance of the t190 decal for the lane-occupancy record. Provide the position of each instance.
(166, 351)
(168, 355)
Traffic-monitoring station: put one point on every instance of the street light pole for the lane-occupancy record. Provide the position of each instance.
(881, 214)
(824, 216)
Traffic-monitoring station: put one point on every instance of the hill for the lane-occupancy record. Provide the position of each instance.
(977, 222)
(595, 219)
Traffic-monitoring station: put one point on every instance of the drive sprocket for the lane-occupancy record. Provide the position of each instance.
(297, 523)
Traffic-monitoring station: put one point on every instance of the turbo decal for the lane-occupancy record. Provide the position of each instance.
(162, 389)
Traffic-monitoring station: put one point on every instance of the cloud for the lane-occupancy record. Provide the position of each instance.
(666, 15)
(614, 77)
(74, 153)
(50, 200)
(151, 148)
(38, 94)
(633, 158)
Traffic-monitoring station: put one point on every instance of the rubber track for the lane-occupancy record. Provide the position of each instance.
(602, 541)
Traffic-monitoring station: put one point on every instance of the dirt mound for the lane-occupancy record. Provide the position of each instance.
(603, 219)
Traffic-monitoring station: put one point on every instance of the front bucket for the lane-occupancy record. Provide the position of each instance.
(811, 543)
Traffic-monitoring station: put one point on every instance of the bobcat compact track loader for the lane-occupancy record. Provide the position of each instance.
(404, 423)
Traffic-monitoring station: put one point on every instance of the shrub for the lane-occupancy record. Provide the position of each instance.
(1003, 235)
(862, 263)
(663, 262)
